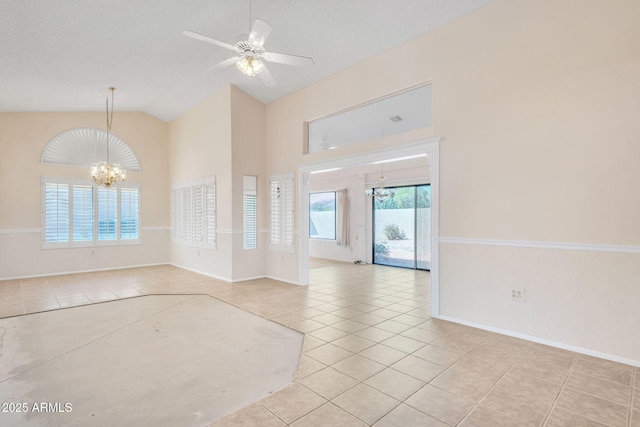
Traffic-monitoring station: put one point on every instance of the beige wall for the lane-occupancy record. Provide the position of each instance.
(200, 147)
(536, 102)
(222, 136)
(546, 94)
(23, 136)
(248, 141)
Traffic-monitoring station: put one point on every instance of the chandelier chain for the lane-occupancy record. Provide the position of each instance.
(109, 119)
(104, 173)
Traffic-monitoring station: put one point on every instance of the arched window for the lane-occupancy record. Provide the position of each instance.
(85, 146)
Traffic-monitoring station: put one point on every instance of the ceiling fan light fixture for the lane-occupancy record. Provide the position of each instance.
(250, 66)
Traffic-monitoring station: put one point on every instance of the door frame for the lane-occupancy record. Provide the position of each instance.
(430, 147)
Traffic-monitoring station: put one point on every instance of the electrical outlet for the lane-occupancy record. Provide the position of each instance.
(517, 294)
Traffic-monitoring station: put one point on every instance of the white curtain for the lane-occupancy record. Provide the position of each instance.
(342, 227)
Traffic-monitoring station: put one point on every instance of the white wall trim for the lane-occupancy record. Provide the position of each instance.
(593, 247)
(550, 343)
(226, 231)
(19, 230)
(95, 270)
(37, 230)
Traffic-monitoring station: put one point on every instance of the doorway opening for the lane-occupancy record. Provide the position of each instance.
(402, 227)
(425, 151)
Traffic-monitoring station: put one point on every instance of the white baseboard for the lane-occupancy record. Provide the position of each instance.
(550, 343)
(229, 280)
(244, 279)
(213, 276)
(284, 280)
(95, 270)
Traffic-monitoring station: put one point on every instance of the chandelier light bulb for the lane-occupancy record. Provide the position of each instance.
(106, 174)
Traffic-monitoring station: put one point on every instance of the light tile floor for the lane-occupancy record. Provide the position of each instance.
(373, 356)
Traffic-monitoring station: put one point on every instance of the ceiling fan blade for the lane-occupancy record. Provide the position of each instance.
(283, 58)
(259, 33)
(224, 63)
(267, 77)
(208, 39)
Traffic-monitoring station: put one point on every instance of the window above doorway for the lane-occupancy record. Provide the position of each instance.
(401, 112)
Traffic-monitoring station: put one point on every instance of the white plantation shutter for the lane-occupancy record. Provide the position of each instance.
(250, 212)
(250, 221)
(107, 213)
(282, 212)
(83, 213)
(129, 213)
(194, 214)
(198, 215)
(288, 228)
(210, 214)
(56, 212)
(276, 213)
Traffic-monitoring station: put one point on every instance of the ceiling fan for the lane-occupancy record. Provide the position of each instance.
(250, 52)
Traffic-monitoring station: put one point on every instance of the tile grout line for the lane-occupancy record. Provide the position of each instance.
(555, 400)
(259, 402)
(564, 385)
(493, 387)
(24, 307)
(426, 382)
(632, 395)
(385, 366)
(630, 408)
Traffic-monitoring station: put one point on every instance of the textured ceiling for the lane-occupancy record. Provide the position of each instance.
(63, 55)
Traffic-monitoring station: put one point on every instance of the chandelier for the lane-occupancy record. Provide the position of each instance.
(104, 173)
(380, 193)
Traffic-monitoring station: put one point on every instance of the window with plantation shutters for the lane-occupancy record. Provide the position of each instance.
(129, 213)
(83, 223)
(107, 213)
(282, 212)
(187, 214)
(210, 214)
(197, 215)
(250, 212)
(56, 213)
(194, 214)
(79, 213)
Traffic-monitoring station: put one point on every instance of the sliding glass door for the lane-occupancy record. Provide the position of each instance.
(401, 228)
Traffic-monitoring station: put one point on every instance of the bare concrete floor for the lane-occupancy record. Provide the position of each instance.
(170, 360)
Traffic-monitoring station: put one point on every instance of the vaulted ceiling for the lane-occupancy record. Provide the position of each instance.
(63, 55)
